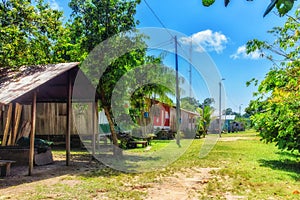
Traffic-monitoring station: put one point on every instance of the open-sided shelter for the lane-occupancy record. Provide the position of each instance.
(31, 85)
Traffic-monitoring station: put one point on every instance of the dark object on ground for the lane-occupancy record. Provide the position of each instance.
(41, 145)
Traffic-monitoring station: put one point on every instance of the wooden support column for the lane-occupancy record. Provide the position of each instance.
(10, 135)
(96, 123)
(17, 118)
(32, 133)
(93, 130)
(69, 114)
(7, 125)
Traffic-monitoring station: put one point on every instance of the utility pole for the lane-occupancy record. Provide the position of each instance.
(178, 116)
(220, 107)
(190, 77)
(190, 68)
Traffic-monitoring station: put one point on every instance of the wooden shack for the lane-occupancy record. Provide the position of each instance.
(37, 100)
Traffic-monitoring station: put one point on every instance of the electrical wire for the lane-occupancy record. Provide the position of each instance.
(163, 25)
(158, 19)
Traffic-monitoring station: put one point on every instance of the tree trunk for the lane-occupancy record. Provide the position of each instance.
(116, 150)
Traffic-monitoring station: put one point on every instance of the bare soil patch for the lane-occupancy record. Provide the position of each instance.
(230, 139)
(188, 184)
(19, 181)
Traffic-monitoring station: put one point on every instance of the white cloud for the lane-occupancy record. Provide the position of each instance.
(241, 53)
(54, 5)
(209, 40)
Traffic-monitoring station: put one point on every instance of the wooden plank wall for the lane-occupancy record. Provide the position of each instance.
(51, 118)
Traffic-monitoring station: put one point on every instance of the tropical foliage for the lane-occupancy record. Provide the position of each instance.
(205, 111)
(276, 110)
(30, 34)
(33, 33)
(282, 6)
(189, 103)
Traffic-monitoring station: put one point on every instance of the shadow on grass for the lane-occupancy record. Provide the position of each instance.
(80, 162)
(126, 164)
(112, 171)
(81, 165)
(288, 154)
(286, 165)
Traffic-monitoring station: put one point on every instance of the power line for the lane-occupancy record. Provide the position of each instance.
(163, 25)
(188, 56)
(162, 44)
(158, 19)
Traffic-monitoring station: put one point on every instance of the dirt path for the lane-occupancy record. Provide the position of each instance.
(189, 183)
(182, 185)
(42, 175)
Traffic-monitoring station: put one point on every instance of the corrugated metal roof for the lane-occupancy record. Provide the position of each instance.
(15, 84)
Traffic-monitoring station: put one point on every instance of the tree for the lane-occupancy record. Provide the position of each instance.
(205, 111)
(141, 87)
(94, 22)
(30, 34)
(189, 103)
(283, 6)
(275, 112)
(99, 20)
(204, 120)
(229, 111)
(208, 102)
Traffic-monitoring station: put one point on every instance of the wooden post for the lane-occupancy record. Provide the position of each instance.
(18, 112)
(69, 113)
(7, 125)
(97, 125)
(12, 123)
(32, 134)
(93, 131)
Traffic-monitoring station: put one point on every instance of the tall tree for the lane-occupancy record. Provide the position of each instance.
(276, 109)
(97, 20)
(229, 111)
(151, 81)
(30, 33)
(208, 102)
(94, 22)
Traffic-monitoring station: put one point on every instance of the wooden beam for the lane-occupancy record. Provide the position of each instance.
(93, 130)
(97, 125)
(12, 123)
(32, 133)
(7, 125)
(18, 112)
(69, 114)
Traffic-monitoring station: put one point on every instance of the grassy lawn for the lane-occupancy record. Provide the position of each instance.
(245, 168)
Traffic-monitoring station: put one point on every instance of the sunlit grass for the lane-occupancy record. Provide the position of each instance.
(247, 167)
(155, 145)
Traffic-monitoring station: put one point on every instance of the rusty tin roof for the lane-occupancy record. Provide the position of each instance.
(14, 84)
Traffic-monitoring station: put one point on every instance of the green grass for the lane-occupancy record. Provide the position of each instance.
(247, 167)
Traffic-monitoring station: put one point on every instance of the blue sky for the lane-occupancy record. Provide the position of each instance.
(221, 31)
